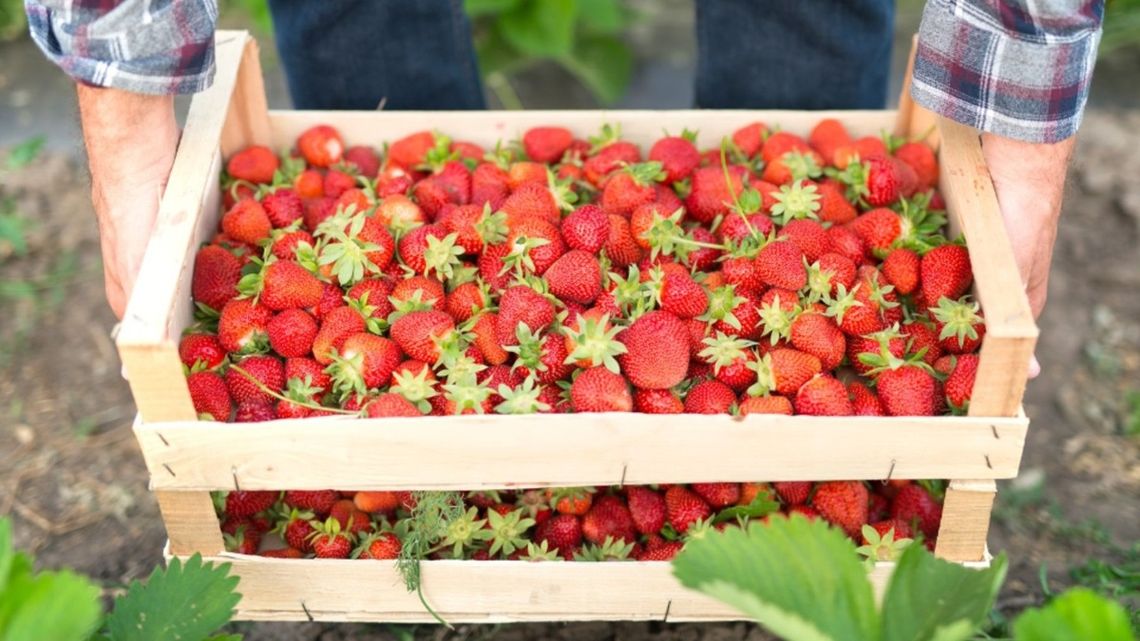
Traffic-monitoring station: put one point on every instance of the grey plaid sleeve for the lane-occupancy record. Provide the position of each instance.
(1017, 68)
(146, 46)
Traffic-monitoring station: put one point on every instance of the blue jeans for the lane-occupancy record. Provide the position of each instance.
(417, 54)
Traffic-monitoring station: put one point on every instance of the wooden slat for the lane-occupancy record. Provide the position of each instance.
(475, 591)
(913, 121)
(472, 452)
(487, 127)
(1010, 329)
(190, 522)
(247, 122)
(965, 520)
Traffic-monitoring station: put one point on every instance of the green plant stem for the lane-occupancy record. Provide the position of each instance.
(307, 404)
(501, 87)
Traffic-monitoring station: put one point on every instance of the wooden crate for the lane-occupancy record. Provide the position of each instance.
(187, 459)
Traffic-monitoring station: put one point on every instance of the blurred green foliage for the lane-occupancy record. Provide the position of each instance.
(585, 37)
(1121, 26)
(13, 22)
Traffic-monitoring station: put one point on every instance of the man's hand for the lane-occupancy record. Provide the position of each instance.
(1029, 179)
(131, 140)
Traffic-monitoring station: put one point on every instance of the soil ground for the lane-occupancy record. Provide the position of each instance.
(73, 480)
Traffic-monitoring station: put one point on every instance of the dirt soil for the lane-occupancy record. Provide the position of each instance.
(74, 482)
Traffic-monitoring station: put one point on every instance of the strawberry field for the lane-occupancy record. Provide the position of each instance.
(534, 278)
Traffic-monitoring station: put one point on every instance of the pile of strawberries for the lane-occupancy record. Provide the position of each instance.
(644, 523)
(769, 274)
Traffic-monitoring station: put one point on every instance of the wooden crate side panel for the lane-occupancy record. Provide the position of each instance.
(913, 121)
(965, 520)
(190, 522)
(474, 452)
(1011, 332)
(487, 127)
(247, 122)
(474, 591)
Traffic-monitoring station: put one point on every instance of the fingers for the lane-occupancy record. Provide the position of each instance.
(116, 297)
(1034, 367)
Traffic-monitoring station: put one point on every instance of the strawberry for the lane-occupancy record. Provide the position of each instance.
(201, 348)
(379, 546)
(329, 542)
(770, 404)
(717, 495)
(247, 222)
(647, 508)
(320, 502)
(666, 552)
(781, 142)
(524, 172)
(683, 508)
(575, 276)
(254, 412)
(608, 518)
(710, 195)
(657, 351)
(921, 159)
(309, 371)
(336, 183)
(259, 372)
(657, 401)
(531, 200)
(291, 333)
(709, 397)
(945, 272)
(366, 361)
(351, 520)
(818, 335)
(827, 136)
(922, 337)
(421, 289)
(915, 506)
(288, 285)
(411, 150)
(620, 246)
(878, 228)
(286, 243)
(241, 537)
(677, 155)
(597, 389)
(336, 325)
(783, 371)
(363, 159)
(864, 401)
(390, 405)
(823, 395)
(522, 305)
(833, 204)
(881, 181)
(245, 503)
(321, 146)
(843, 504)
(809, 236)
(793, 492)
(586, 228)
(750, 138)
(546, 144)
(682, 296)
(216, 275)
(486, 338)
(255, 164)
(283, 207)
(780, 263)
(283, 553)
(630, 188)
(562, 532)
(960, 383)
(901, 269)
(489, 186)
(907, 389)
(960, 325)
(420, 333)
(376, 502)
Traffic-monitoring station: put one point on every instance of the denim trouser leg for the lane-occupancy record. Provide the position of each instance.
(794, 54)
(350, 54)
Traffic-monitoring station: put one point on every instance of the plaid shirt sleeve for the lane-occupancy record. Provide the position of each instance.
(146, 46)
(1016, 68)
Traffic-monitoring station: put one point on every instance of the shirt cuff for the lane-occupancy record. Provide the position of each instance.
(134, 46)
(1000, 68)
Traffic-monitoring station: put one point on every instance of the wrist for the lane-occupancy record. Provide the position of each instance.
(130, 138)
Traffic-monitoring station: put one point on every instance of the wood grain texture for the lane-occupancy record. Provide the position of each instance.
(471, 452)
(1011, 332)
(965, 520)
(914, 121)
(475, 591)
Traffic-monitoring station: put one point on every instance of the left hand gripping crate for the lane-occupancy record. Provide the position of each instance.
(187, 459)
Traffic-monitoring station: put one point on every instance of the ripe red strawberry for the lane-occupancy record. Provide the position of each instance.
(784, 371)
(547, 144)
(809, 236)
(901, 529)
(466, 300)
(878, 228)
(597, 389)
(283, 553)
(379, 546)
(921, 336)
(647, 508)
(677, 155)
(907, 389)
(390, 405)
(321, 146)
(750, 138)
(657, 351)
(336, 183)
(364, 159)
(562, 532)
(285, 244)
(946, 272)
(531, 200)
(864, 401)
(608, 517)
(255, 164)
(882, 181)
(827, 136)
(780, 263)
(818, 335)
(411, 150)
(320, 502)
(247, 222)
(586, 228)
(307, 369)
(489, 186)
(960, 325)
(709, 194)
(770, 404)
(427, 290)
(921, 159)
(267, 371)
(288, 285)
(960, 383)
(419, 333)
(245, 503)
(657, 401)
(901, 269)
(833, 204)
(351, 520)
(575, 276)
(630, 188)
(717, 495)
(682, 296)
(793, 492)
(376, 502)
(201, 348)
(336, 325)
(843, 504)
(216, 275)
(683, 508)
(486, 338)
(522, 305)
(291, 333)
(665, 552)
(329, 542)
(823, 395)
(620, 246)
(709, 397)
(366, 361)
(283, 207)
(254, 412)
(915, 506)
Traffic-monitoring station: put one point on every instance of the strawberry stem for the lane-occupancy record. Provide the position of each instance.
(307, 404)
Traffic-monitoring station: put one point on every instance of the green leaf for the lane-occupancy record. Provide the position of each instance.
(604, 64)
(1077, 615)
(929, 598)
(7, 554)
(761, 505)
(60, 606)
(477, 8)
(24, 153)
(184, 602)
(13, 232)
(601, 17)
(800, 579)
(543, 28)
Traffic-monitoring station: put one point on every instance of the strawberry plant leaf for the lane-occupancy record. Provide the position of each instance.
(543, 28)
(1076, 615)
(601, 17)
(760, 506)
(929, 598)
(187, 600)
(604, 64)
(773, 573)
